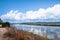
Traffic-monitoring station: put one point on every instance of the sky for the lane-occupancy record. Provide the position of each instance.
(29, 9)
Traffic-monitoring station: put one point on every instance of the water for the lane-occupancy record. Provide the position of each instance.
(46, 31)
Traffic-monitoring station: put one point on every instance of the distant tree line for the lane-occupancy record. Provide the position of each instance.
(4, 24)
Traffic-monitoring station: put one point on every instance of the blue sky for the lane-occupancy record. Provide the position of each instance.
(24, 6)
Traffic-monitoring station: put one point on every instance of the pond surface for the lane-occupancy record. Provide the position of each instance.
(49, 31)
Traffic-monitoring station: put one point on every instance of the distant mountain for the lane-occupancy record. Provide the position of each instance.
(42, 20)
(33, 20)
(42, 23)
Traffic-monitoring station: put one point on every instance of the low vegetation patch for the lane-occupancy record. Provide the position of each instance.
(16, 34)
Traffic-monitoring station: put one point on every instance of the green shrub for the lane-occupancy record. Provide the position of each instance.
(6, 24)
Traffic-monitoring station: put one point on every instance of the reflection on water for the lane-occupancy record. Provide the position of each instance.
(50, 32)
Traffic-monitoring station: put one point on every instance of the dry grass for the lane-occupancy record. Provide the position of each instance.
(15, 34)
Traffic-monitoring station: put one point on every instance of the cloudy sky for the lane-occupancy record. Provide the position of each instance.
(29, 10)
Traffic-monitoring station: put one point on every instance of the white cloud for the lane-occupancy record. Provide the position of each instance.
(48, 13)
